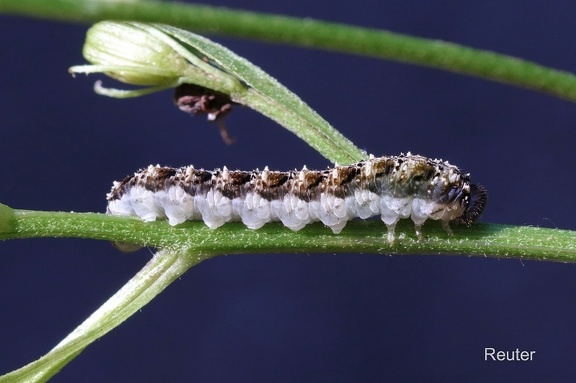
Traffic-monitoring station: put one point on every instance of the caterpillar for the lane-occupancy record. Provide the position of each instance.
(394, 187)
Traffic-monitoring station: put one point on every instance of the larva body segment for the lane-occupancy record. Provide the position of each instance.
(395, 188)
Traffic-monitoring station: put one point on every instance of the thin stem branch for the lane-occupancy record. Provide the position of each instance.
(310, 33)
(157, 274)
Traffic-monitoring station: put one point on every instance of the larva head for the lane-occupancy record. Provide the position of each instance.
(196, 99)
(475, 204)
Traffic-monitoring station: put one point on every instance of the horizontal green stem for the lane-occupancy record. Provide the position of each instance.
(487, 240)
(310, 33)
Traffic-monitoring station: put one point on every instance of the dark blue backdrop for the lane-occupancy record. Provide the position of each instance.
(298, 318)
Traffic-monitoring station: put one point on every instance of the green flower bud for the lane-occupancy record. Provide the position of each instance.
(145, 59)
(143, 54)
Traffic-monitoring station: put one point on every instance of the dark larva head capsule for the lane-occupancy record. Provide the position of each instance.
(474, 205)
(197, 100)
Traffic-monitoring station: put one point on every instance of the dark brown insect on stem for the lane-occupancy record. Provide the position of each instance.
(198, 100)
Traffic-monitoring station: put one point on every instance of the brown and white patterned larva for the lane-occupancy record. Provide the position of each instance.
(393, 187)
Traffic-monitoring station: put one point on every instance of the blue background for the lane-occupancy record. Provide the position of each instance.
(298, 318)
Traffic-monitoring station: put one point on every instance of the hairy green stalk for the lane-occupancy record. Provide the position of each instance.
(310, 33)
(166, 266)
(482, 239)
(161, 56)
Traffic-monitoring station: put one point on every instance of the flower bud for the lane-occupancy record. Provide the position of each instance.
(145, 54)
(141, 57)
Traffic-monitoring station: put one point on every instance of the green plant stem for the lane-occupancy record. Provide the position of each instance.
(166, 56)
(486, 240)
(157, 274)
(190, 243)
(310, 33)
(272, 99)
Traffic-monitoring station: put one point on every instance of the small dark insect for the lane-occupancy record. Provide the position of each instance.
(197, 100)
